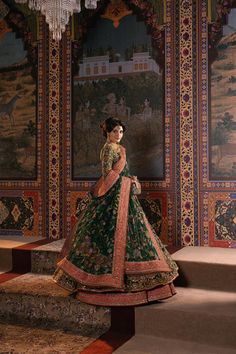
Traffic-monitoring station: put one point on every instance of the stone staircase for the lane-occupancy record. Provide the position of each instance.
(28, 295)
(201, 318)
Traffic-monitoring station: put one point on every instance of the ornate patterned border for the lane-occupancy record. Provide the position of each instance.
(195, 127)
(67, 99)
(53, 142)
(169, 97)
(176, 147)
(186, 146)
(203, 86)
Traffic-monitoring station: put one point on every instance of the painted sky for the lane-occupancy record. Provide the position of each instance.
(11, 49)
(231, 26)
(129, 32)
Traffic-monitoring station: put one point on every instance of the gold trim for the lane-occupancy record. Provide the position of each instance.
(127, 299)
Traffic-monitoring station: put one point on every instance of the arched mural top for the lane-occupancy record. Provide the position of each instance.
(151, 12)
(18, 97)
(117, 72)
(24, 23)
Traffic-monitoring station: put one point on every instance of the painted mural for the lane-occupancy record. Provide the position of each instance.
(17, 109)
(118, 76)
(223, 107)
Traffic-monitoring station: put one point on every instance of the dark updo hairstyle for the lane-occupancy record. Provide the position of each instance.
(109, 124)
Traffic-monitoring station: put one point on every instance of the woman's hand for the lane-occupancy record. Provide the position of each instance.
(136, 185)
(134, 179)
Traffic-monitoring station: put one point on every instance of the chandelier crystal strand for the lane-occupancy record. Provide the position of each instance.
(57, 12)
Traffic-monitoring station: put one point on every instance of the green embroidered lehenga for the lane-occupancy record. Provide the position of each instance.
(114, 257)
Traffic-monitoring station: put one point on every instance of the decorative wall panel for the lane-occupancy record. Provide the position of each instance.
(84, 108)
(22, 113)
(54, 211)
(220, 219)
(186, 164)
(216, 123)
(20, 213)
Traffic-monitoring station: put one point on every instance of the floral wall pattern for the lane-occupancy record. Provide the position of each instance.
(192, 200)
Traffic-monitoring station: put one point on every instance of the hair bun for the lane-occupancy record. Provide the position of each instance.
(110, 123)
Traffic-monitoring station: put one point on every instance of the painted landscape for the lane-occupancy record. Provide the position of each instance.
(223, 109)
(17, 110)
(118, 78)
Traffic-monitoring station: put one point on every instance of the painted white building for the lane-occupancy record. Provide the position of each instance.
(100, 66)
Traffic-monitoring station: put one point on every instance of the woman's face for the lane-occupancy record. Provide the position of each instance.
(116, 134)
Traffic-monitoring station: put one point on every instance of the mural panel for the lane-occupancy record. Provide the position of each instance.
(22, 99)
(118, 75)
(223, 108)
(17, 108)
(19, 213)
(217, 119)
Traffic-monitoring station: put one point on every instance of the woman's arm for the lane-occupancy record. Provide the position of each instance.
(113, 162)
(107, 157)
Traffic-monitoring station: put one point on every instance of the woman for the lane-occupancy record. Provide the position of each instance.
(114, 258)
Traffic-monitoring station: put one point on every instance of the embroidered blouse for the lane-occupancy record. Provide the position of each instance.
(109, 155)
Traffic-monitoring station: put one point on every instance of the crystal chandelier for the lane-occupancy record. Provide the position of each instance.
(58, 12)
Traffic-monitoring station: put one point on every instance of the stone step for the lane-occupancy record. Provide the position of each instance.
(194, 315)
(140, 344)
(210, 268)
(16, 253)
(6, 246)
(29, 255)
(44, 258)
(35, 300)
(5, 260)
